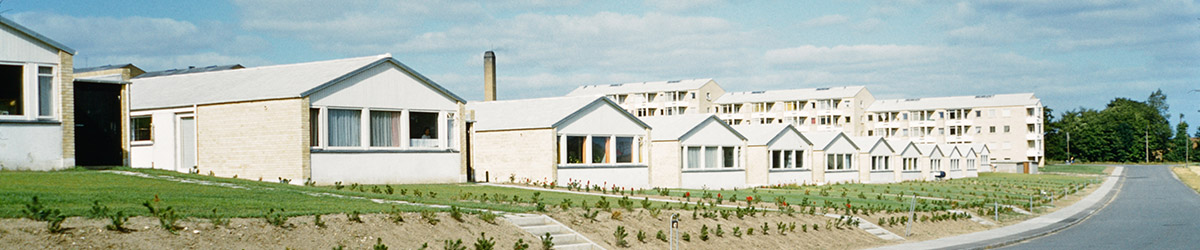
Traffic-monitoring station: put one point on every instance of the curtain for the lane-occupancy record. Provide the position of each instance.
(693, 157)
(385, 129)
(344, 128)
(710, 157)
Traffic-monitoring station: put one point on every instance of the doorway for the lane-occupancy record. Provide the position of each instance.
(185, 146)
(98, 124)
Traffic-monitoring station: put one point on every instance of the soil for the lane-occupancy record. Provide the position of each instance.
(256, 233)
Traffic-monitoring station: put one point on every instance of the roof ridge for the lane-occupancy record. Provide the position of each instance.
(380, 56)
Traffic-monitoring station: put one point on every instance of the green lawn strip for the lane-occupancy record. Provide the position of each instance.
(1075, 169)
(74, 192)
(473, 192)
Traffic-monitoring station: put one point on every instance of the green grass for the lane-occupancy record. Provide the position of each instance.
(73, 192)
(1075, 169)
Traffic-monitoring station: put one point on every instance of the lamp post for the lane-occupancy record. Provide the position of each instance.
(1069, 161)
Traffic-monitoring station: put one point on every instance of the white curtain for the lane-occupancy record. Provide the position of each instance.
(385, 129)
(344, 129)
(710, 157)
(693, 157)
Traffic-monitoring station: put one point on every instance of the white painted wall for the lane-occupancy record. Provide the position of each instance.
(910, 176)
(714, 179)
(884, 176)
(160, 152)
(386, 168)
(601, 118)
(789, 141)
(31, 146)
(791, 177)
(19, 47)
(383, 86)
(711, 133)
(631, 177)
(841, 176)
(955, 174)
(841, 145)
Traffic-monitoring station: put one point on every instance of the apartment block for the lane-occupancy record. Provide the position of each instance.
(836, 109)
(662, 98)
(1011, 124)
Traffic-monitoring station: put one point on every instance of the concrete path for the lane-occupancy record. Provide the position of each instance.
(1152, 210)
(1046, 224)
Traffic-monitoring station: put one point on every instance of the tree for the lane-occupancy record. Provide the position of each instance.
(1181, 140)
(1118, 133)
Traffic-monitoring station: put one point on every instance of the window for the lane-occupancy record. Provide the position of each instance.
(12, 89)
(992, 129)
(978, 130)
(978, 113)
(1007, 128)
(935, 164)
(941, 131)
(385, 129)
(710, 157)
(910, 163)
(693, 157)
(314, 127)
(879, 163)
(575, 149)
(344, 128)
(970, 163)
(600, 147)
(450, 130)
(45, 91)
(624, 150)
(941, 115)
(953, 164)
(422, 129)
(775, 159)
(729, 154)
(838, 161)
(140, 128)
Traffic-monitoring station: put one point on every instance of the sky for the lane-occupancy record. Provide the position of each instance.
(1071, 54)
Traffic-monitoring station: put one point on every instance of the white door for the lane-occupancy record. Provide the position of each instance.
(185, 149)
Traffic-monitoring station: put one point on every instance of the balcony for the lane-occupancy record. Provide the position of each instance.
(1032, 120)
(958, 122)
(922, 123)
(1033, 136)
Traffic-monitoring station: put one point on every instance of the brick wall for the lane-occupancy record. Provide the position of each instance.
(66, 70)
(267, 139)
(523, 153)
(665, 167)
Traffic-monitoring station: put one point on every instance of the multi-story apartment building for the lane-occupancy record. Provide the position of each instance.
(836, 109)
(645, 99)
(1011, 124)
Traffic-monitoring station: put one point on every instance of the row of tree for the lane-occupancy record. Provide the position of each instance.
(1124, 131)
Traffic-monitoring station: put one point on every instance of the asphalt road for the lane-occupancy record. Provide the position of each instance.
(1152, 210)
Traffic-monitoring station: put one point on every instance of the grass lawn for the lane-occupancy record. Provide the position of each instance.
(74, 191)
(1075, 169)
(1188, 177)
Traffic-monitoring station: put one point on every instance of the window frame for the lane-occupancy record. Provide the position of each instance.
(702, 165)
(586, 157)
(133, 140)
(37, 81)
(30, 96)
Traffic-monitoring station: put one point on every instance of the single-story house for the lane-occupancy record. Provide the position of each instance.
(776, 154)
(970, 160)
(37, 100)
(955, 157)
(101, 120)
(695, 151)
(588, 139)
(835, 157)
(931, 156)
(356, 120)
(875, 152)
(909, 157)
(985, 163)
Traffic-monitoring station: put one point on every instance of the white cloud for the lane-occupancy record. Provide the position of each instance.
(825, 20)
(675, 5)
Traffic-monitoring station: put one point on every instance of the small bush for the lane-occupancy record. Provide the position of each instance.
(456, 213)
(217, 219)
(488, 217)
(547, 242)
(616, 215)
(454, 245)
(354, 216)
(704, 232)
(520, 245)
(166, 217)
(430, 217)
(719, 232)
(484, 242)
(686, 237)
(737, 232)
(641, 236)
(98, 211)
(277, 219)
(661, 236)
(620, 235)
(591, 215)
(117, 222)
(766, 228)
(396, 215)
(379, 244)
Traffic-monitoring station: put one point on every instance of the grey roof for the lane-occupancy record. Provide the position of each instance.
(189, 70)
(954, 102)
(257, 83)
(790, 94)
(639, 87)
(35, 35)
(928, 149)
(867, 143)
(764, 134)
(535, 113)
(899, 145)
(823, 140)
(675, 127)
(104, 67)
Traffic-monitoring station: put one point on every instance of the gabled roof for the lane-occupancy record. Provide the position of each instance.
(980, 148)
(189, 70)
(902, 145)
(930, 149)
(639, 87)
(954, 102)
(868, 143)
(536, 113)
(823, 140)
(765, 134)
(29, 32)
(950, 150)
(676, 127)
(789, 95)
(258, 83)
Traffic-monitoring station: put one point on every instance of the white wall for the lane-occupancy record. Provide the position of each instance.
(842, 176)
(630, 177)
(711, 133)
(383, 86)
(714, 179)
(910, 175)
(31, 146)
(600, 118)
(789, 141)
(160, 152)
(791, 177)
(19, 47)
(386, 168)
(884, 176)
(955, 174)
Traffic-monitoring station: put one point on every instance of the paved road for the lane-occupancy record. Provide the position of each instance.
(1151, 211)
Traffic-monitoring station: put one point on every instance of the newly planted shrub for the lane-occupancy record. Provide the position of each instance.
(737, 232)
(686, 237)
(620, 234)
(488, 217)
(456, 213)
(354, 216)
(661, 236)
(641, 236)
(430, 217)
(704, 232)
(616, 215)
(166, 217)
(454, 245)
(591, 215)
(719, 232)
(277, 219)
(484, 242)
(318, 222)
(117, 222)
(379, 244)
(396, 215)
(218, 219)
(547, 242)
(98, 211)
(520, 245)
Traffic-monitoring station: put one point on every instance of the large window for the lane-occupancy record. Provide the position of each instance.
(45, 91)
(600, 146)
(624, 150)
(575, 149)
(140, 129)
(839, 161)
(787, 159)
(729, 154)
(935, 164)
(970, 163)
(344, 128)
(711, 157)
(693, 157)
(953, 164)
(385, 128)
(314, 127)
(880, 163)
(12, 90)
(423, 129)
(910, 163)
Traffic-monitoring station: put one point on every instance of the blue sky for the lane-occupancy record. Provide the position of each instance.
(1070, 53)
